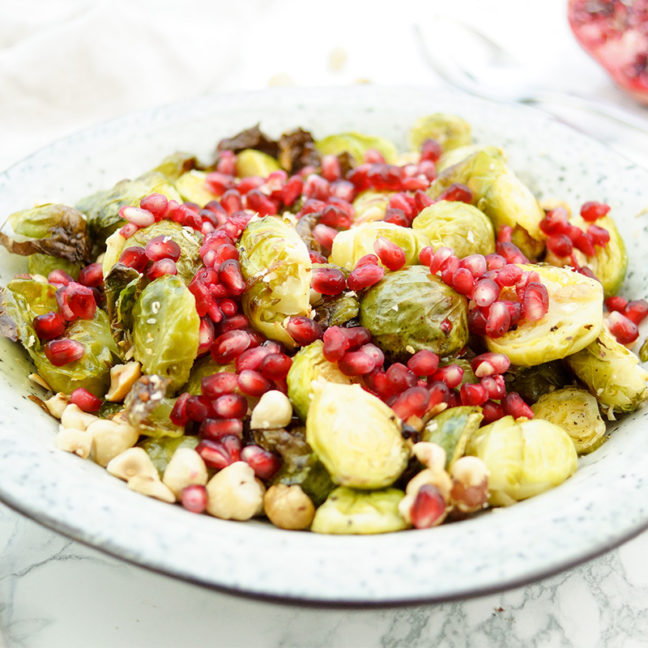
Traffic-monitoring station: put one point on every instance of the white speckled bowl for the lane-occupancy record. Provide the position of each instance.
(602, 505)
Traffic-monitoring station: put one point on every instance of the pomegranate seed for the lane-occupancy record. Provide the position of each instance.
(446, 326)
(495, 262)
(91, 275)
(342, 189)
(328, 281)
(636, 310)
(515, 311)
(162, 247)
(514, 405)
(336, 343)
(228, 307)
(450, 375)
(555, 222)
(423, 363)
(252, 383)
(226, 162)
(535, 303)
(509, 275)
(491, 411)
(425, 255)
(128, 230)
(411, 402)
(59, 277)
(431, 150)
(428, 507)
(292, 190)
(495, 386)
(367, 259)
(275, 366)
(473, 394)
(498, 320)
(229, 274)
(220, 454)
(510, 252)
(391, 255)
(623, 328)
(218, 183)
(218, 384)
(488, 364)
(205, 335)
(560, 245)
(251, 358)
(134, 257)
(49, 326)
(316, 257)
(231, 201)
(463, 281)
(616, 303)
(440, 258)
(303, 330)
(155, 203)
(260, 203)
(476, 263)
(317, 187)
(357, 336)
(84, 400)
(137, 216)
(585, 244)
(161, 268)
(457, 192)
(334, 216)
(396, 217)
(198, 408)
(375, 353)
(63, 351)
(234, 323)
(248, 184)
(421, 201)
(402, 202)
(215, 429)
(356, 363)
(599, 235)
(231, 406)
(230, 345)
(365, 276)
(477, 322)
(178, 415)
(194, 498)
(76, 301)
(592, 210)
(400, 378)
(486, 291)
(264, 463)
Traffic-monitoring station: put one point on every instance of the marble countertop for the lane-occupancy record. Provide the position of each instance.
(105, 59)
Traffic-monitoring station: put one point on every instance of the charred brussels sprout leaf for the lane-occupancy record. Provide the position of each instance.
(250, 138)
(524, 458)
(165, 330)
(360, 512)
(352, 244)
(277, 268)
(411, 309)
(533, 382)
(573, 320)
(612, 373)
(356, 436)
(161, 449)
(499, 193)
(297, 150)
(357, 145)
(337, 311)
(309, 366)
(450, 131)
(122, 287)
(577, 412)
(456, 225)
(452, 429)
(55, 230)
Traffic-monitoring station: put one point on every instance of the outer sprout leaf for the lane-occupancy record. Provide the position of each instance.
(452, 430)
(357, 145)
(450, 131)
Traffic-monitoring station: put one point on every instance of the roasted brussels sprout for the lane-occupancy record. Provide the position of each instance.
(277, 267)
(577, 412)
(350, 511)
(161, 449)
(499, 193)
(188, 240)
(370, 206)
(43, 264)
(524, 458)
(609, 263)
(612, 373)
(450, 131)
(456, 155)
(411, 309)
(250, 162)
(308, 367)
(122, 287)
(533, 382)
(573, 321)
(456, 225)
(452, 429)
(337, 310)
(165, 330)
(356, 436)
(192, 187)
(299, 464)
(357, 145)
(353, 244)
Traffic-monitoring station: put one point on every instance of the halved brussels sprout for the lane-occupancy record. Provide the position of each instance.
(612, 373)
(337, 310)
(499, 193)
(161, 449)
(456, 225)
(452, 429)
(353, 244)
(370, 206)
(456, 155)
(165, 330)
(192, 187)
(574, 319)
(524, 458)
(609, 263)
(277, 268)
(122, 287)
(577, 412)
(450, 131)
(299, 464)
(356, 436)
(250, 162)
(348, 511)
(411, 309)
(533, 382)
(309, 366)
(357, 145)
(188, 240)
(43, 264)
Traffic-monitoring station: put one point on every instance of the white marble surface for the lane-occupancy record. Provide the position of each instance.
(69, 63)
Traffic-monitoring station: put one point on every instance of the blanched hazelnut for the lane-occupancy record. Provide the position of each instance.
(122, 378)
(438, 478)
(431, 455)
(132, 462)
(75, 418)
(56, 404)
(288, 507)
(469, 490)
(186, 468)
(111, 438)
(274, 410)
(72, 440)
(234, 493)
(151, 486)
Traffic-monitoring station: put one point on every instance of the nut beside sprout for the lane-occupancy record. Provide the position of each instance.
(73, 440)
(234, 493)
(56, 404)
(136, 468)
(186, 468)
(288, 507)
(122, 378)
(469, 484)
(111, 438)
(73, 417)
(273, 411)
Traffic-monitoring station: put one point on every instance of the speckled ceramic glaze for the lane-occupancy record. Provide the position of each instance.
(600, 506)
